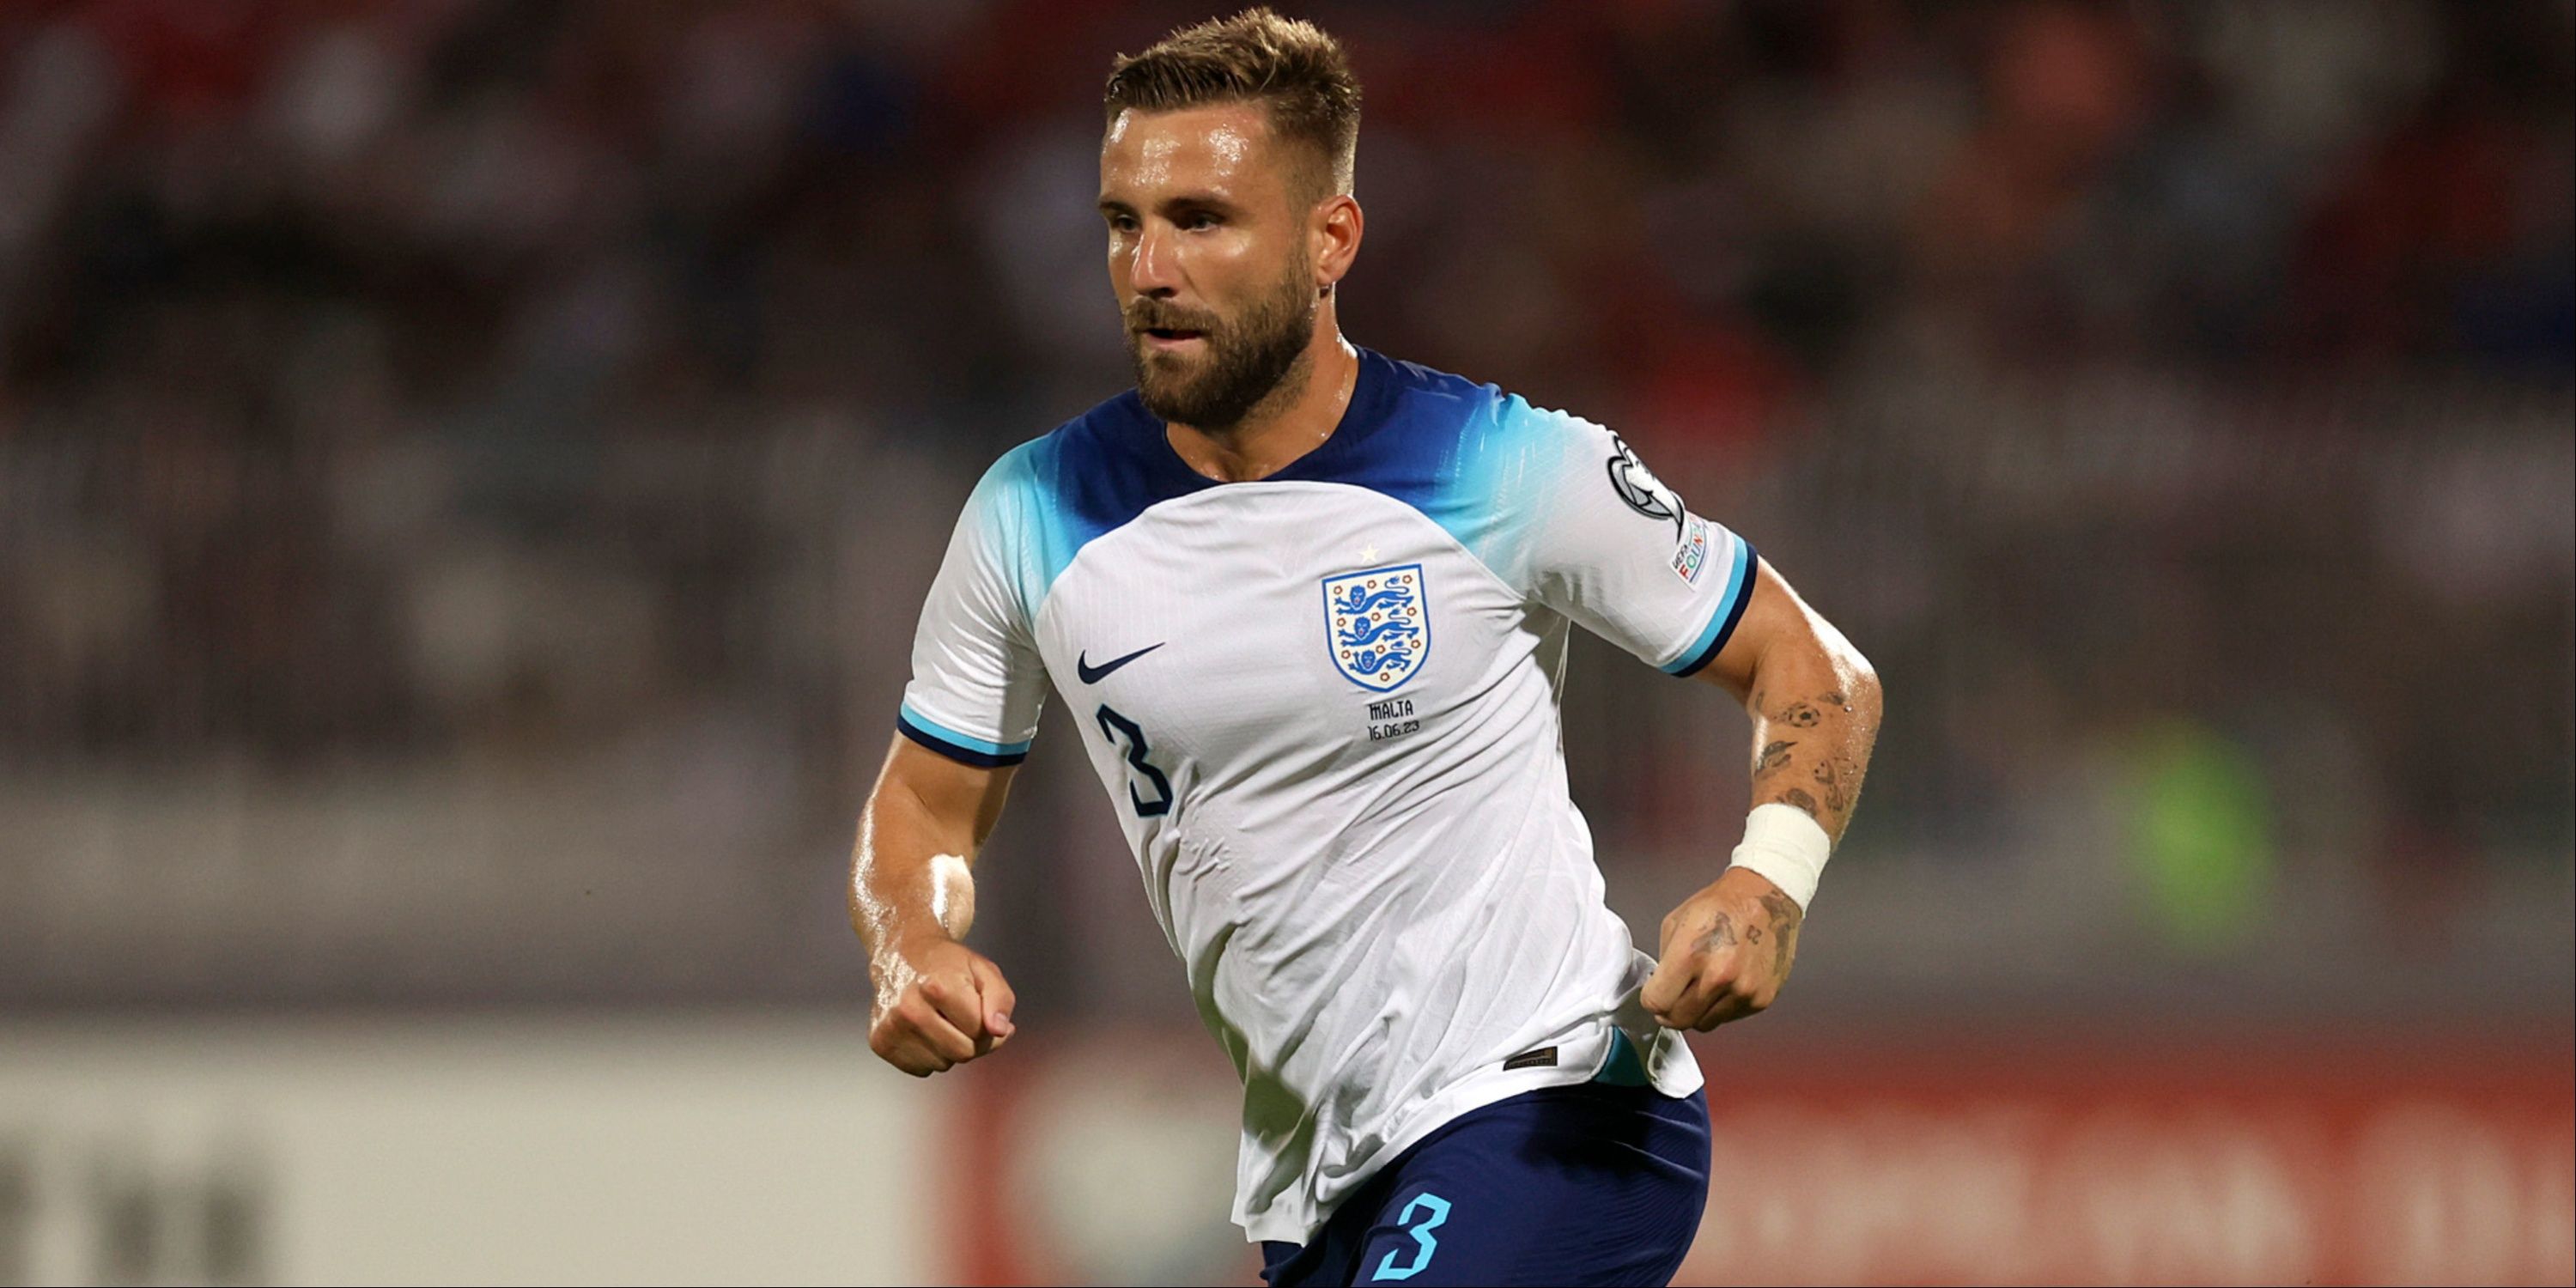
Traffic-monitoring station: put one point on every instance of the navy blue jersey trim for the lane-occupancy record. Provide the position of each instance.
(963, 755)
(1399, 436)
(1382, 442)
(1734, 614)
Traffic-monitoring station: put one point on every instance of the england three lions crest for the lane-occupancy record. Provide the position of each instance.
(1377, 625)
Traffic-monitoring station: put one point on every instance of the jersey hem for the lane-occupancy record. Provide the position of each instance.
(1583, 1059)
(1464, 1099)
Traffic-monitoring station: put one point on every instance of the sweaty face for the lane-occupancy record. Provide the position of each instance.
(1205, 368)
(1208, 255)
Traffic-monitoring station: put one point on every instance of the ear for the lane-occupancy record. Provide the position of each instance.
(1333, 235)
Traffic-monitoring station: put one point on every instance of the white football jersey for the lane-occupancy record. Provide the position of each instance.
(1324, 705)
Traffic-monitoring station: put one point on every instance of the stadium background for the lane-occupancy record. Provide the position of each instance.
(468, 472)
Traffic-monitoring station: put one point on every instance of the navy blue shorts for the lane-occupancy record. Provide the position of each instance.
(1588, 1184)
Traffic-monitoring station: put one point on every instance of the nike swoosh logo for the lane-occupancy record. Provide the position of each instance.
(1095, 674)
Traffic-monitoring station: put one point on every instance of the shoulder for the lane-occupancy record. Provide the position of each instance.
(1088, 475)
(1465, 443)
(1042, 465)
(1426, 389)
(1047, 498)
(1471, 418)
(1481, 462)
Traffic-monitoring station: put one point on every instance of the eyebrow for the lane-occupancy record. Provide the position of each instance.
(1186, 200)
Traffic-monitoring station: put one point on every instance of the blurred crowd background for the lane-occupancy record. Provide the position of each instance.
(468, 472)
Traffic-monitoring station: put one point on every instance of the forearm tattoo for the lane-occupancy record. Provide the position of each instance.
(1820, 771)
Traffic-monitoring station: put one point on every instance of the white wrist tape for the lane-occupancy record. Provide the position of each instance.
(1787, 846)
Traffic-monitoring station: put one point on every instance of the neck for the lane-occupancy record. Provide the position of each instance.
(1293, 419)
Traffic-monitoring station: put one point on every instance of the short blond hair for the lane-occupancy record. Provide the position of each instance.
(1288, 65)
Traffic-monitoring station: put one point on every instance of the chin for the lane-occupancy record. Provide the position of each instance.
(1170, 381)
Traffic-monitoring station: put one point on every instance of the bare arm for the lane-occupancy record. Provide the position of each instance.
(912, 897)
(1815, 704)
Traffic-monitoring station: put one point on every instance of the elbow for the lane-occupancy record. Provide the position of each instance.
(1859, 680)
(1868, 696)
(1858, 670)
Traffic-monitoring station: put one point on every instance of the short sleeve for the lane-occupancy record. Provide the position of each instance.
(977, 681)
(1614, 549)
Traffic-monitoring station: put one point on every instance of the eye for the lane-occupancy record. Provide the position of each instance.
(1122, 223)
(1198, 221)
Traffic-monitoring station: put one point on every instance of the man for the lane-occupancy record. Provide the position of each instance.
(1309, 606)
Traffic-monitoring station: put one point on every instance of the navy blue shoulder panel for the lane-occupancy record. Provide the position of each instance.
(1049, 497)
(1428, 439)
(1105, 466)
(1469, 457)
(1402, 434)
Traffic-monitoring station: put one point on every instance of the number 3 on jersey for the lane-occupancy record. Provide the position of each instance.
(1120, 730)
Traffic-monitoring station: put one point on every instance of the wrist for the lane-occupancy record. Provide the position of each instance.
(1785, 846)
(907, 943)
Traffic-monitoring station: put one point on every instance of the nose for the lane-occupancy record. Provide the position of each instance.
(1154, 275)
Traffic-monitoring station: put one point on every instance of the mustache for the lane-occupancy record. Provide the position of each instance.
(1154, 315)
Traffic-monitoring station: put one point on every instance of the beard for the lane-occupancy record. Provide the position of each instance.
(1245, 359)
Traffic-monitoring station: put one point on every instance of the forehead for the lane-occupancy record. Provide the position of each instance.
(1224, 148)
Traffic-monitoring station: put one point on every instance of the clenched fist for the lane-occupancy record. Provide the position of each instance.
(1725, 953)
(938, 1005)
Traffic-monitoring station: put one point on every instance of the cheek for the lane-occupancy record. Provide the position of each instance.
(1229, 274)
(1231, 258)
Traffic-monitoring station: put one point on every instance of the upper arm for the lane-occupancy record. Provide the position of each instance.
(958, 801)
(1616, 550)
(978, 684)
(1777, 620)
(977, 681)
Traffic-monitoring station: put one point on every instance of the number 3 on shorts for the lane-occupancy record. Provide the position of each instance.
(1426, 1201)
